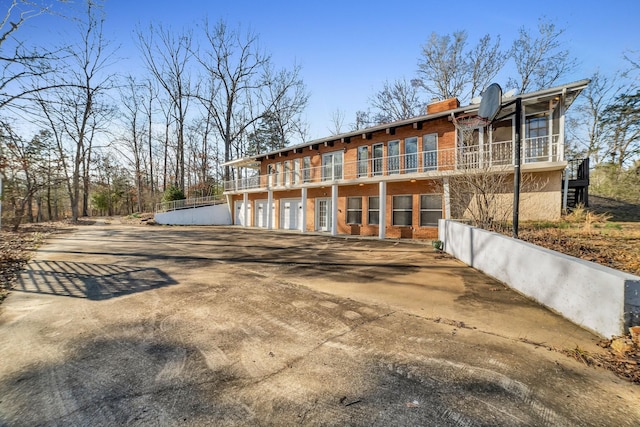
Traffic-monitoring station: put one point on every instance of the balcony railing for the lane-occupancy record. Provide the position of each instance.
(189, 203)
(475, 157)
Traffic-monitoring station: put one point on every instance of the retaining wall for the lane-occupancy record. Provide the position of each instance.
(598, 298)
(205, 215)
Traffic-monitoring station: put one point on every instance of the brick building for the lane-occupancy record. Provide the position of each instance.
(392, 180)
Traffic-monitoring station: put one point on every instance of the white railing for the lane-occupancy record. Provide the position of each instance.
(495, 154)
(189, 203)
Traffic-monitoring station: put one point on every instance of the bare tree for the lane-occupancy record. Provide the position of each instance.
(167, 56)
(540, 59)
(397, 100)
(131, 98)
(585, 120)
(78, 113)
(337, 121)
(442, 68)
(621, 122)
(449, 67)
(485, 61)
(244, 86)
(21, 65)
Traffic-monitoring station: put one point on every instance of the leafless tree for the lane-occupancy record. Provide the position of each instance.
(77, 113)
(167, 56)
(337, 121)
(449, 67)
(540, 59)
(244, 85)
(397, 100)
(131, 98)
(585, 126)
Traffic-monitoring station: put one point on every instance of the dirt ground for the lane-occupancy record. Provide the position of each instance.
(115, 324)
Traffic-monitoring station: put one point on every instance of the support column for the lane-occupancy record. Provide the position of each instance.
(270, 210)
(334, 210)
(382, 215)
(245, 210)
(447, 198)
(303, 216)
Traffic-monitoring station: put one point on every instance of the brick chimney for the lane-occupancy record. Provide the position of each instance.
(444, 105)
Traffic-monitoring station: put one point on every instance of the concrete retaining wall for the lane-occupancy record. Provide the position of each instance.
(206, 215)
(598, 298)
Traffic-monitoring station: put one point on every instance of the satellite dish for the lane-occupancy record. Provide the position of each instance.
(476, 100)
(490, 104)
(509, 93)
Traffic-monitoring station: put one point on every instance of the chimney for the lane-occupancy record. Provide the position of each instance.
(444, 105)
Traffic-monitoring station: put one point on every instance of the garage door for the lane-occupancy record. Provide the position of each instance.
(261, 213)
(239, 214)
(290, 214)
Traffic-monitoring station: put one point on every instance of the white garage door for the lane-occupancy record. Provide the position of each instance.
(290, 214)
(239, 214)
(261, 213)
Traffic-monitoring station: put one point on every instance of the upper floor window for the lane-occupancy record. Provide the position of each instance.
(332, 166)
(411, 155)
(278, 173)
(363, 161)
(287, 172)
(306, 169)
(377, 155)
(296, 171)
(430, 152)
(393, 157)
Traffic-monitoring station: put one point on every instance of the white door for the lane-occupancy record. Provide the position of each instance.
(239, 214)
(323, 214)
(290, 213)
(261, 213)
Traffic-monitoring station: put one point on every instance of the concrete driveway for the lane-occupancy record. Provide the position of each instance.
(123, 325)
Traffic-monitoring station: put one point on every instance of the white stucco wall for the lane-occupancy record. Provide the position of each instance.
(206, 215)
(599, 298)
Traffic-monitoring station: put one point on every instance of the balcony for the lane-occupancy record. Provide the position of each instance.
(490, 156)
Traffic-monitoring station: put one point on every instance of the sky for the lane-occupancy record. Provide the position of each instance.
(347, 49)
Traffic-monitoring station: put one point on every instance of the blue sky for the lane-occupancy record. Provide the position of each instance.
(347, 49)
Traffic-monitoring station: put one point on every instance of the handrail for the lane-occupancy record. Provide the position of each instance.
(189, 203)
(480, 156)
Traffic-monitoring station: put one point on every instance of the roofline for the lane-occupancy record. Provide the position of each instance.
(574, 86)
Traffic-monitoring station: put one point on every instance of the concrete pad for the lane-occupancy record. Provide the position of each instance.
(116, 324)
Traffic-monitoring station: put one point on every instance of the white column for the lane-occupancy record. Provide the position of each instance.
(334, 210)
(270, 210)
(245, 210)
(382, 215)
(303, 217)
(447, 198)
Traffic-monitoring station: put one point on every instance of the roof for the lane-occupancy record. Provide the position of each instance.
(569, 90)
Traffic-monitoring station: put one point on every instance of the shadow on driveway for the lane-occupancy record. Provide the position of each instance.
(91, 281)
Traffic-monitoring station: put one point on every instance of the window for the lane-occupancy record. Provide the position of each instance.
(332, 166)
(393, 157)
(278, 173)
(430, 152)
(402, 210)
(377, 159)
(536, 145)
(296, 171)
(306, 169)
(374, 210)
(270, 171)
(354, 210)
(430, 209)
(287, 172)
(363, 158)
(411, 155)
